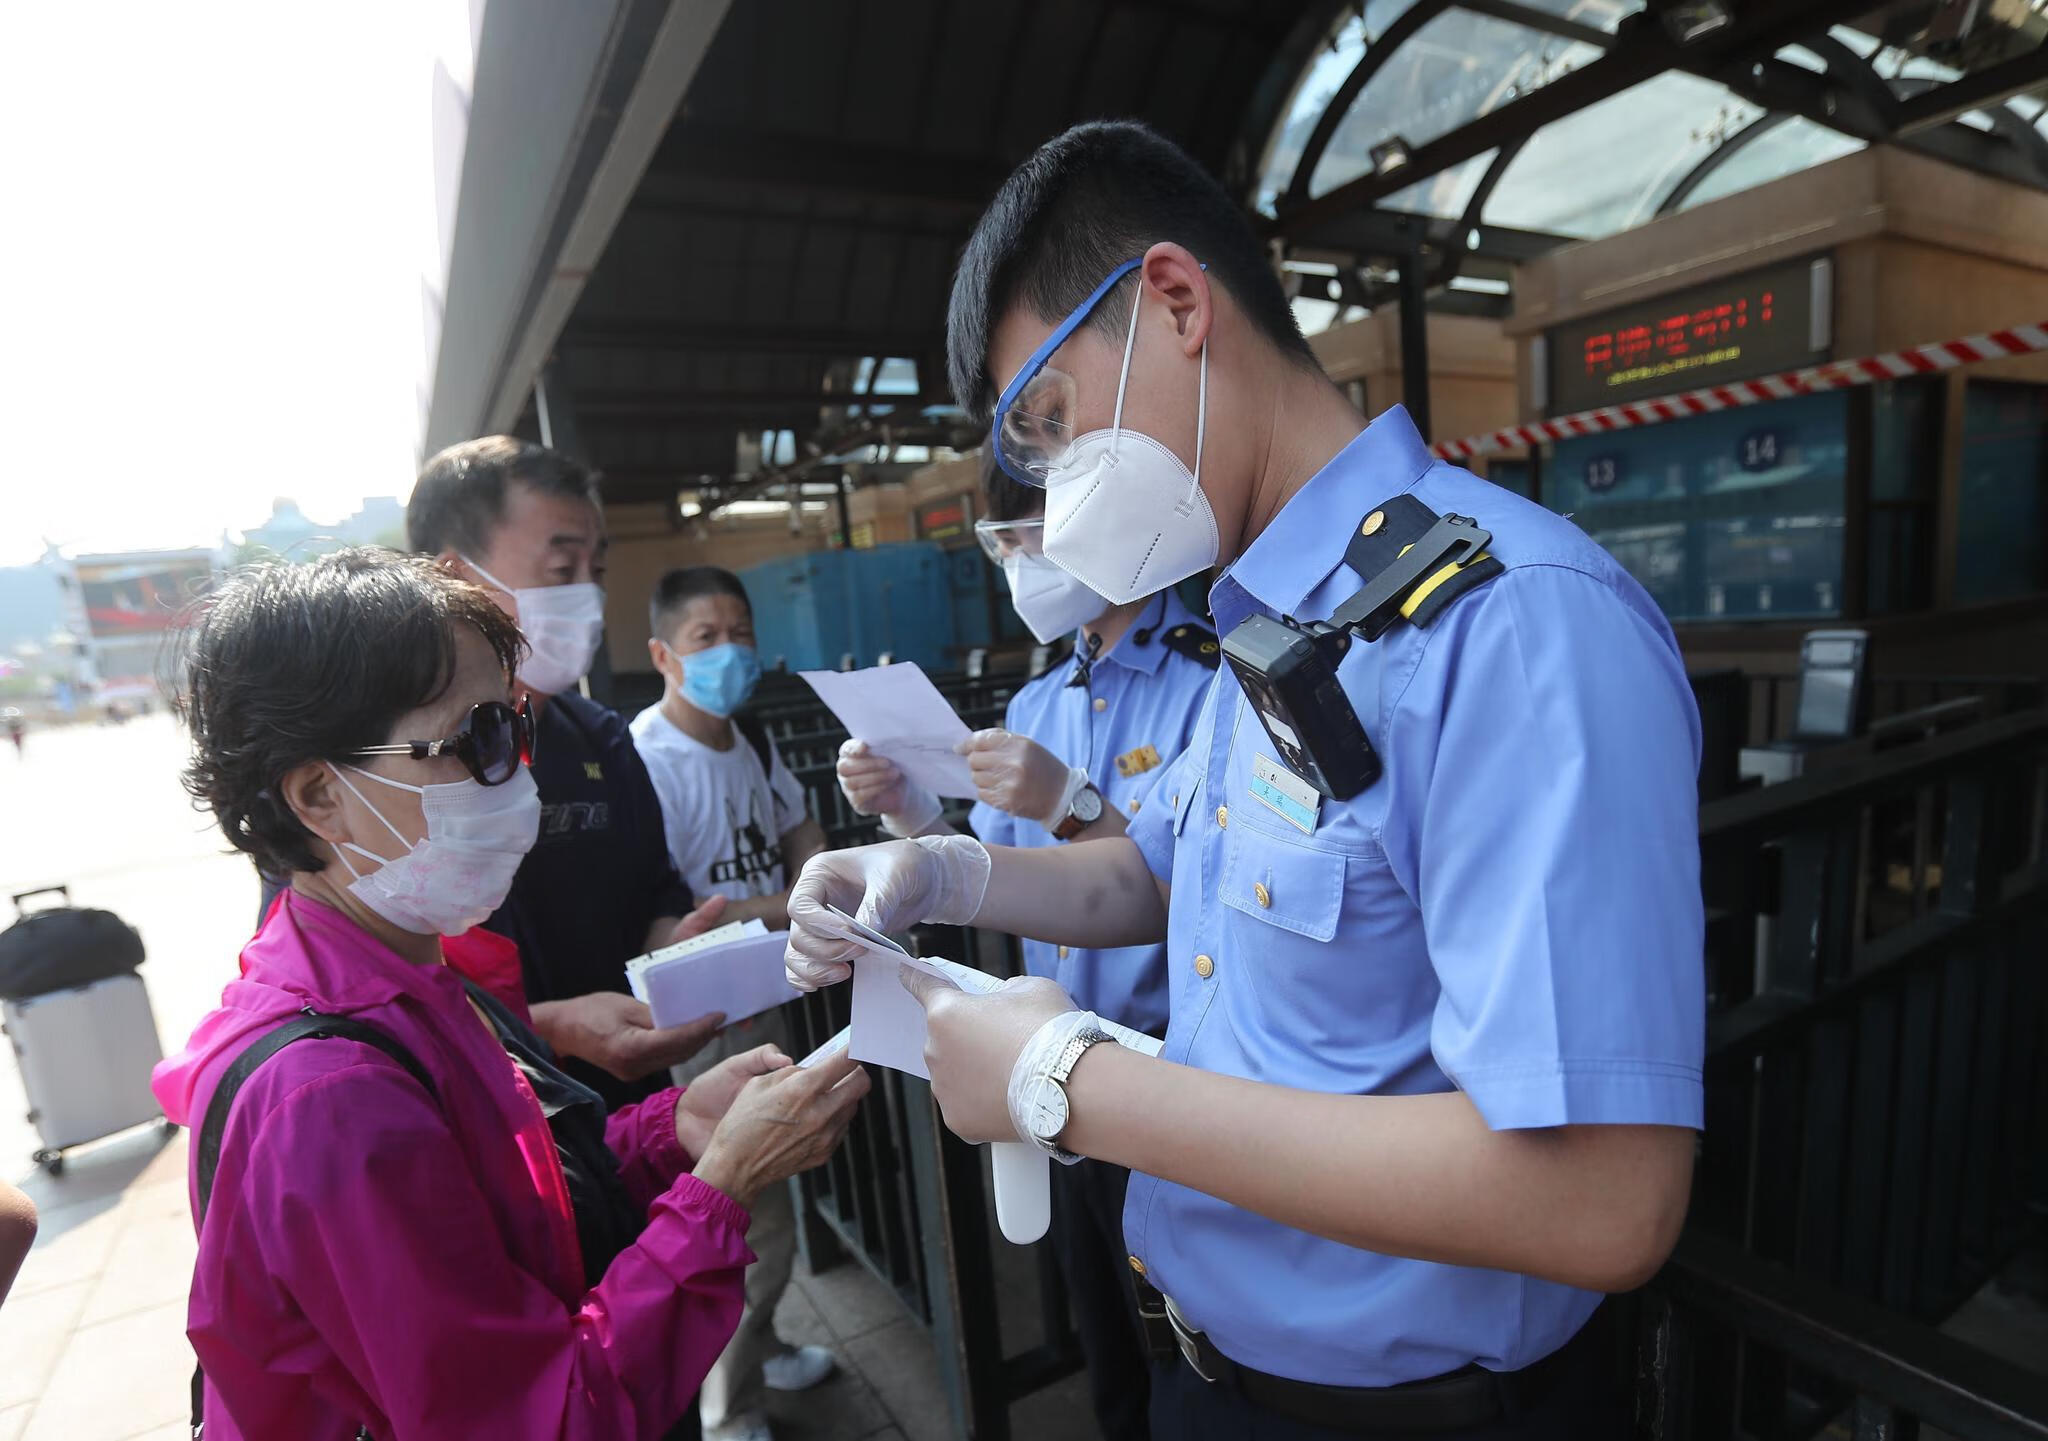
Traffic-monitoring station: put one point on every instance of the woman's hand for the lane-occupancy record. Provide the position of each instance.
(704, 1102)
(781, 1123)
(618, 1033)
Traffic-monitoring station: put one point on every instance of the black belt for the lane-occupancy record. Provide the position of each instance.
(1470, 1396)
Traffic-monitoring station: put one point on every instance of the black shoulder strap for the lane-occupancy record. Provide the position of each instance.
(1194, 641)
(311, 1025)
(757, 737)
(1414, 562)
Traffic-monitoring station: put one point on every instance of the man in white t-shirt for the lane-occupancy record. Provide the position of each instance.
(737, 827)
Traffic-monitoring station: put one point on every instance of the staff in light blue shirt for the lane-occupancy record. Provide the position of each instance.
(1079, 754)
(1432, 1073)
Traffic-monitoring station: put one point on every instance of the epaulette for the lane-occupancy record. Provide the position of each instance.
(1196, 642)
(1383, 537)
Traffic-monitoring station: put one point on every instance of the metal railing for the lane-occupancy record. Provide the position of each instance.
(1877, 1097)
(1772, 701)
(1719, 1318)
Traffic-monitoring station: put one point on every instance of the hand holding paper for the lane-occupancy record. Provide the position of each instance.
(736, 969)
(902, 717)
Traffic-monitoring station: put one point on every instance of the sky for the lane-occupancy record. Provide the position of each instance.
(221, 225)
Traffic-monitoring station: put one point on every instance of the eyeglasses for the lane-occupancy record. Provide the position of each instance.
(493, 742)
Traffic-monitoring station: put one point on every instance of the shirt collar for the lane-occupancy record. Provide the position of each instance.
(1306, 541)
(1160, 614)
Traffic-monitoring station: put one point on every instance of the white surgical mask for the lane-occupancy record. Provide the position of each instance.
(1122, 514)
(1048, 600)
(462, 869)
(562, 625)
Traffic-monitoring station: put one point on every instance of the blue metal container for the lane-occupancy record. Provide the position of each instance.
(811, 610)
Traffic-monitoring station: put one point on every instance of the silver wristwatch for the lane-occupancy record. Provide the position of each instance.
(1084, 811)
(1049, 1109)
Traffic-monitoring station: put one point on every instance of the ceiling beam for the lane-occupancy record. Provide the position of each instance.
(1982, 90)
(662, 404)
(1534, 19)
(1642, 50)
(683, 335)
(820, 165)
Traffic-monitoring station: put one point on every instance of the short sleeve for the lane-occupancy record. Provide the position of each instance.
(1152, 827)
(791, 810)
(666, 894)
(1555, 855)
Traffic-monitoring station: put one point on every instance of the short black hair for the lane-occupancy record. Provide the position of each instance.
(1081, 205)
(460, 494)
(287, 664)
(1004, 498)
(674, 592)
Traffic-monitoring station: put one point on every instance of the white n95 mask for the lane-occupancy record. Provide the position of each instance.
(1122, 514)
(462, 869)
(562, 625)
(1049, 601)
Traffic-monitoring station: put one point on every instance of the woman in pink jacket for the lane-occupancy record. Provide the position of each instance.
(411, 1223)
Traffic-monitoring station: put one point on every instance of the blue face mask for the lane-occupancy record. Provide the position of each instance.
(719, 680)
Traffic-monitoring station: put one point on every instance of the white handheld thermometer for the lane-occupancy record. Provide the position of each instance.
(1022, 1172)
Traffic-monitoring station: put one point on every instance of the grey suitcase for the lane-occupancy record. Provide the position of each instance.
(85, 1058)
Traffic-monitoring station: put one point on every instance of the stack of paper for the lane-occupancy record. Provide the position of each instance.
(737, 969)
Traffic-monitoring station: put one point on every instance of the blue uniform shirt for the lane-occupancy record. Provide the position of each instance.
(1512, 910)
(1141, 693)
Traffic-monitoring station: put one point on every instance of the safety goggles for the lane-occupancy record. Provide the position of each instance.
(493, 742)
(1034, 419)
(1001, 539)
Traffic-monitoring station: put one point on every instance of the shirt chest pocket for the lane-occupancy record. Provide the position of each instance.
(1282, 883)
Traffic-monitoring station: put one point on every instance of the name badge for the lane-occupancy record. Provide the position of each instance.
(1137, 762)
(1285, 794)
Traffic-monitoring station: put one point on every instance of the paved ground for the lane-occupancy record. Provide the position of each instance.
(92, 1343)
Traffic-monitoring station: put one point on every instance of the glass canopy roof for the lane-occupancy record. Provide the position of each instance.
(1672, 142)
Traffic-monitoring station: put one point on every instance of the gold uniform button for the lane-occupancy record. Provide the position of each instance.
(1259, 893)
(1063, 953)
(1137, 1265)
(1204, 967)
(1101, 703)
(1222, 816)
(1373, 522)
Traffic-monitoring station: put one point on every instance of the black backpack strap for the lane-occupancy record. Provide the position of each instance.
(310, 1025)
(757, 737)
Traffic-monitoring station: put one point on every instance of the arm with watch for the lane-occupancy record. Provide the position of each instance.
(1012, 773)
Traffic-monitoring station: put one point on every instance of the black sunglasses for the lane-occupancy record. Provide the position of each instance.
(494, 742)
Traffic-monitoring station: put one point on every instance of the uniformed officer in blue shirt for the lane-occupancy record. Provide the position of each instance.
(1432, 1074)
(1079, 753)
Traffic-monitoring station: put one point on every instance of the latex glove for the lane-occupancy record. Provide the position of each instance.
(704, 1102)
(873, 786)
(618, 1033)
(973, 1045)
(890, 886)
(1020, 777)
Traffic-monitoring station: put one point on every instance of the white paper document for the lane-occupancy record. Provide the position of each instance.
(901, 715)
(888, 1022)
(738, 969)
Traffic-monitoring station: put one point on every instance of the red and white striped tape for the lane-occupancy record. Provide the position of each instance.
(1920, 360)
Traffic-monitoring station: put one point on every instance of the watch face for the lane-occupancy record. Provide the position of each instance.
(1088, 805)
(1049, 1111)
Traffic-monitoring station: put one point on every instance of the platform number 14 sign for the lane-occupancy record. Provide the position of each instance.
(1761, 450)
